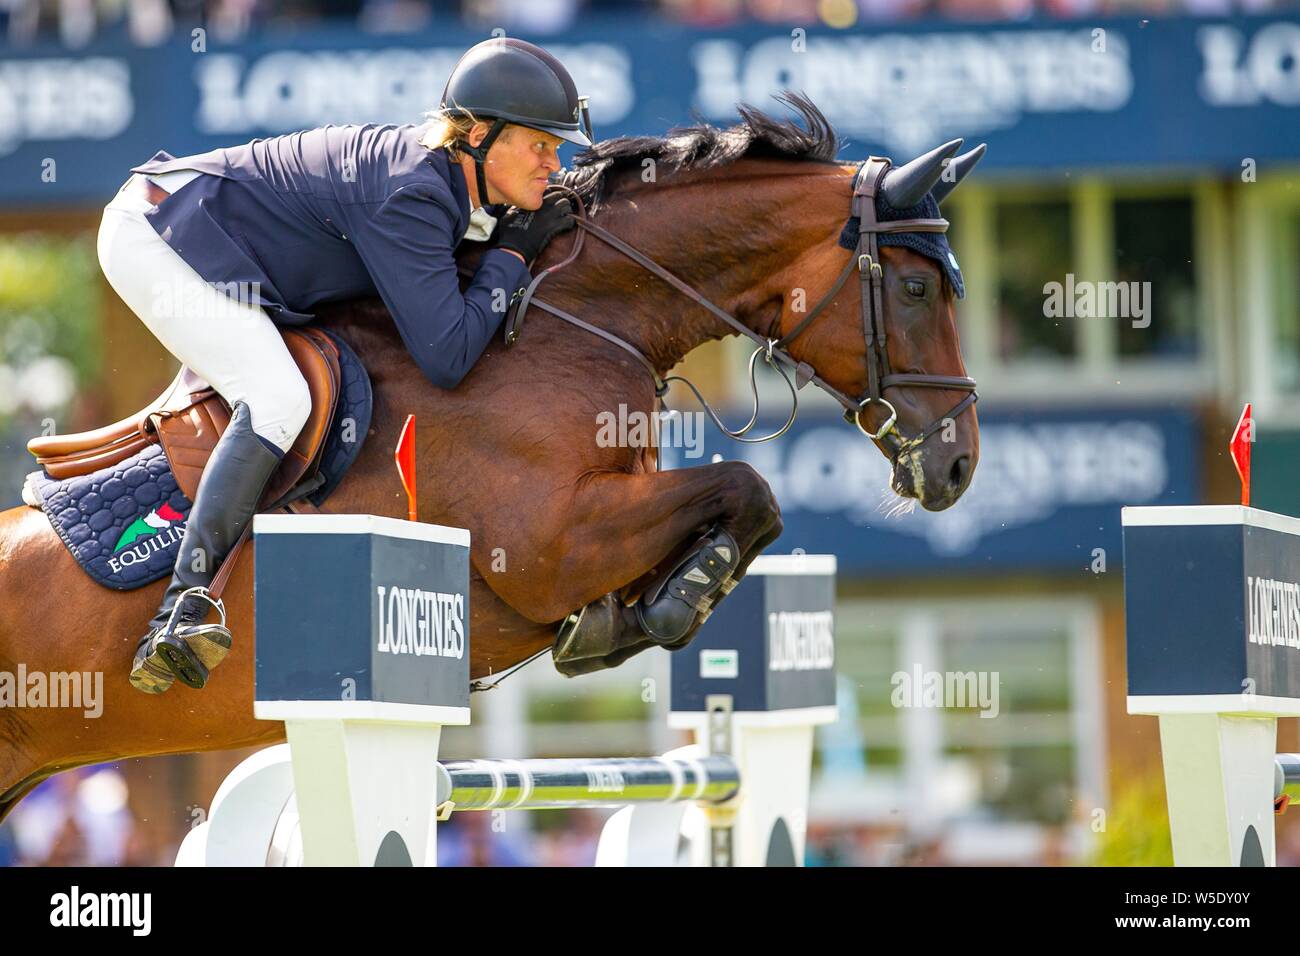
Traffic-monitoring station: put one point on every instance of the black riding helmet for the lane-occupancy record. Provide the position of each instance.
(513, 81)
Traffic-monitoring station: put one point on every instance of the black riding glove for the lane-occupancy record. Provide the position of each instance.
(527, 231)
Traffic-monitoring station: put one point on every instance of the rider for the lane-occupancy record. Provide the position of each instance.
(325, 215)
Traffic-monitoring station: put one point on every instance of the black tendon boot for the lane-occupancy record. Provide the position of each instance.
(601, 635)
(179, 644)
(592, 632)
(685, 597)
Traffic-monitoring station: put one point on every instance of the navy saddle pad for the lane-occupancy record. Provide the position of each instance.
(124, 523)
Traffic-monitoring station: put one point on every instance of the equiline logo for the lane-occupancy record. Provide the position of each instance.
(159, 529)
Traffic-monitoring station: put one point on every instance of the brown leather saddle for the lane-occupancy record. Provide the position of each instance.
(188, 424)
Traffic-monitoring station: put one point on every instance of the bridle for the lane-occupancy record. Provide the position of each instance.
(774, 351)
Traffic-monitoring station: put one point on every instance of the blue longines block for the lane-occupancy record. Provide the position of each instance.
(359, 607)
(770, 644)
(1212, 601)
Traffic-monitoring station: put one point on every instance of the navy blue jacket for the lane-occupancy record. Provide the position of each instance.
(336, 213)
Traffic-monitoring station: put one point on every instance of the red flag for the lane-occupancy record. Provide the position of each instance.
(1243, 436)
(404, 455)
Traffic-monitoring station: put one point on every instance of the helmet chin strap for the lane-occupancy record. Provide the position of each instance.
(479, 155)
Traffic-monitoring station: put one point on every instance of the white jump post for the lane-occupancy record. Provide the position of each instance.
(369, 662)
(365, 664)
(753, 685)
(1212, 603)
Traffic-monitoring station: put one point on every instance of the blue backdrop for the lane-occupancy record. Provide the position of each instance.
(1047, 95)
(1047, 491)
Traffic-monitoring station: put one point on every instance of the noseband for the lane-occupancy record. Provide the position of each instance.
(866, 262)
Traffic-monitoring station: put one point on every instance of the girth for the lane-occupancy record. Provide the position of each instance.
(866, 262)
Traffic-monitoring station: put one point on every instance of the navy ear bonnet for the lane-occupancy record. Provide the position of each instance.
(933, 245)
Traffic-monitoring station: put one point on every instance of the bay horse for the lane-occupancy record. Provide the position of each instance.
(749, 216)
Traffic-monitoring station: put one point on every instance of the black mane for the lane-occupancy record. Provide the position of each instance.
(706, 147)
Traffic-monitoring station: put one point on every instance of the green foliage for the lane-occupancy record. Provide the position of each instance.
(620, 703)
(1137, 825)
(49, 305)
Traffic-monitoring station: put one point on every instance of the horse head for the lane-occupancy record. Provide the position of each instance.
(882, 338)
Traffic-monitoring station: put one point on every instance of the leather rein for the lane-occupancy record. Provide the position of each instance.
(865, 261)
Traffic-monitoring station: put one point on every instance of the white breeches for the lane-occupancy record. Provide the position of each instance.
(228, 341)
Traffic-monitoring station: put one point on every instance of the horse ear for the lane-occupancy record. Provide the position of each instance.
(962, 165)
(905, 186)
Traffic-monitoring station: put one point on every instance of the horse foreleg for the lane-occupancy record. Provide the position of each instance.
(619, 528)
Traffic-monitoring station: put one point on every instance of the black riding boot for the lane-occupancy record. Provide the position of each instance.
(179, 644)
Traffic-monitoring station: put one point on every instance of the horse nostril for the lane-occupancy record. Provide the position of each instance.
(959, 474)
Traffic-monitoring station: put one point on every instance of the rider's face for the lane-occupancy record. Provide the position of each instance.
(518, 164)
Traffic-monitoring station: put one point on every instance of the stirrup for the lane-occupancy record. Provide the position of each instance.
(191, 651)
(199, 592)
(564, 637)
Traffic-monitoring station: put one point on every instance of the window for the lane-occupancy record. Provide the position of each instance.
(1266, 296)
(1021, 761)
(1153, 244)
(1287, 336)
(980, 789)
(1033, 248)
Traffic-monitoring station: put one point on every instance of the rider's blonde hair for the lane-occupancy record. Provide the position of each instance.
(450, 130)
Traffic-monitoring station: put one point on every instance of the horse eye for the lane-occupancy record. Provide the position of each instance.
(915, 288)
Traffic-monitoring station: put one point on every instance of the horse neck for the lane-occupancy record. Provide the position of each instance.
(715, 230)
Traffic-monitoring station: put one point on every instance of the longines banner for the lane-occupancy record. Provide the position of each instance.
(1046, 494)
(1046, 95)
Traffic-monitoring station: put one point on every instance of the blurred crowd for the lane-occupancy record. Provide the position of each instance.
(80, 818)
(146, 22)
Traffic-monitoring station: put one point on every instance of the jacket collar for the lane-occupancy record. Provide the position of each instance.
(459, 188)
